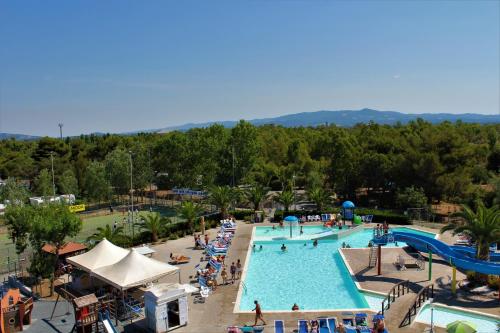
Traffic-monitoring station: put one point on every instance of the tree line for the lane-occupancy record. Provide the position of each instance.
(456, 162)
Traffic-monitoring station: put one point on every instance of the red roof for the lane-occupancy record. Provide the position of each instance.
(69, 247)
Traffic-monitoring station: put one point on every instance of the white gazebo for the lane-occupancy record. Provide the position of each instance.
(103, 254)
(134, 270)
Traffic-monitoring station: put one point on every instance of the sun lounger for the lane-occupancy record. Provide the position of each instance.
(302, 325)
(332, 324)
(179, 260)
(279, 326)
(323, 325)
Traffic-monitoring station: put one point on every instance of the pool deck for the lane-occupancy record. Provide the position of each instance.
(217, 312)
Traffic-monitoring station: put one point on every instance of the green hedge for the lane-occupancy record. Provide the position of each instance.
(241, 214)
(379, 216)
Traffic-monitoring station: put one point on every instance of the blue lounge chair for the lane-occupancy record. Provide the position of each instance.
(323, 325)
(279, 326)
(332, 324)
(302, 326)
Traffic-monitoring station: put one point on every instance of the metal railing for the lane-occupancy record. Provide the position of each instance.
(244, 286)
(397, 290)
(423, 295)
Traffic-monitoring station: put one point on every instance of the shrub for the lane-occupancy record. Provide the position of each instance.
(241, 214)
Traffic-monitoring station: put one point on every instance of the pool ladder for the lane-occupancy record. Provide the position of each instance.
(244, 286)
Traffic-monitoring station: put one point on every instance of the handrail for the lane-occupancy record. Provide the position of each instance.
(405, 285)
(423, 295)
(244, 287)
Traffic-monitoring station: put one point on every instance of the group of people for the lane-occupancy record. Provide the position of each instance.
(235, 269)
(382, 229)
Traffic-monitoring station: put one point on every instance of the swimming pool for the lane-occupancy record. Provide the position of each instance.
(269, 233)
(313, 277)
(444, 316)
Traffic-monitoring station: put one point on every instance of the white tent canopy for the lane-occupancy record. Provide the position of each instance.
(133, 270)
(103, 254)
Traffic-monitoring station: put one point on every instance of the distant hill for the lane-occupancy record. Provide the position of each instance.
(348, 118)
(344, 118)
(4, 136)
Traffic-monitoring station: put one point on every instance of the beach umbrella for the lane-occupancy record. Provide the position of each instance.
(291, 219)
(461, 326)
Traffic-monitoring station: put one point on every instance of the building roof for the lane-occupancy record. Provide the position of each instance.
(69, 247)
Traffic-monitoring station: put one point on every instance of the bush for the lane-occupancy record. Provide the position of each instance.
(241, 214)
(172, 237)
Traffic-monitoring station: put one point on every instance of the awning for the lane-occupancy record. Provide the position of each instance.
(134, 270)
(103, 254)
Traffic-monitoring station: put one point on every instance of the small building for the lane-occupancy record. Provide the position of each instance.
(166, 306)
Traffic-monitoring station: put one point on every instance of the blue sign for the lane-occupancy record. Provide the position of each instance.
(186, 191)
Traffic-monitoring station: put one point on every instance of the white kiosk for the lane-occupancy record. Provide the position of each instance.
(166, 306)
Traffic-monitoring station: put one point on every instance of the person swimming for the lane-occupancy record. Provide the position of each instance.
(315, 243)
(253, 248)
(283, 247)
(260, 248)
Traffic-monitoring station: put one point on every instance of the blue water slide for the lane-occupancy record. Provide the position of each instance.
(471, 252)
(425, 243)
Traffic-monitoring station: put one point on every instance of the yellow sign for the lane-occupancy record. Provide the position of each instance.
(77, 208)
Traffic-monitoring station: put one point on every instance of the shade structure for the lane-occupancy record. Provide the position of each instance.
(133, 270)
(103, 254)
(291, 218)
(461, 326)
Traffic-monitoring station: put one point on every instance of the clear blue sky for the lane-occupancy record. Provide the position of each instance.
(128, 65)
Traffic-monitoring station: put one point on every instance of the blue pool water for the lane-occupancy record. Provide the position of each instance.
(269, 232)
(313, 277)
(444, 316)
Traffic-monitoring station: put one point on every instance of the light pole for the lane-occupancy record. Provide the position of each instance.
(60, 129)
(53, 180)
(293, 191)
(131, 194)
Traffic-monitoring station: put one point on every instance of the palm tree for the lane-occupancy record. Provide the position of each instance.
(482, 225)
(222, 196)
(255, 195)
(319, 196)
(114, 235)
(153, 224)
(285, 198)
(190, 212)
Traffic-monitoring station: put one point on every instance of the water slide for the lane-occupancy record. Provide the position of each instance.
(458, 258)
(106, 322)
(470, 251)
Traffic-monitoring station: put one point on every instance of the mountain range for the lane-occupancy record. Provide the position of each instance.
(344, 118)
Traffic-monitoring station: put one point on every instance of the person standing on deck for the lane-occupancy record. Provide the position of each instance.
(258, 313)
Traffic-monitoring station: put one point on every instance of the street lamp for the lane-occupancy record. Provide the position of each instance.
(131, 194)
(53, 179)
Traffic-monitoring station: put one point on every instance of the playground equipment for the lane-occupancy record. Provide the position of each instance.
(15, 310)
(348, 208)
(447, 252)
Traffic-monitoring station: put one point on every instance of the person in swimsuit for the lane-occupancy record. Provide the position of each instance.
(258, 313)
(232, 270)
(238, 269)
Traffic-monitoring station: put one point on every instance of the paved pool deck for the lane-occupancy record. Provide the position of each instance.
(217, 312)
